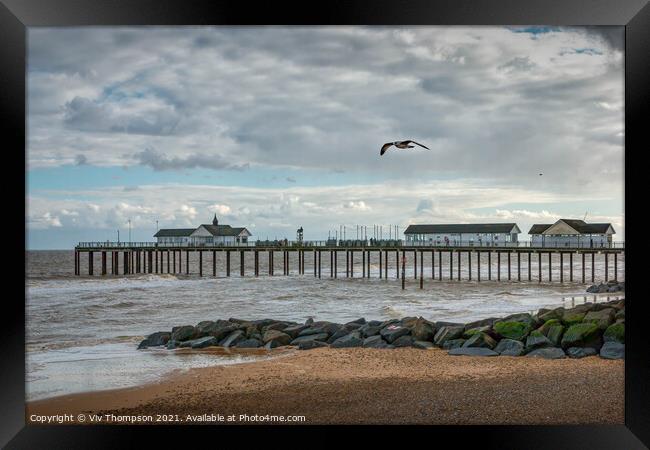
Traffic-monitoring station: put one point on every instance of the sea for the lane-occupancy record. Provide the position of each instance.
(82, 332)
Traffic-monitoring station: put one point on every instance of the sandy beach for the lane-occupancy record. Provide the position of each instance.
(374, 386)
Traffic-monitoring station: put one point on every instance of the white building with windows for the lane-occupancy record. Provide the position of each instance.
(571, 233)
(466, 234)
(205, 234)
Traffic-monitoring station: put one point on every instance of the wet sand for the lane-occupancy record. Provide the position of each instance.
(375, 386)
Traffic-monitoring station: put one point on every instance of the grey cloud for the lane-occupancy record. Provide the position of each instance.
(160, 162)
(522, 63)
(80, 160)
(291, 179)
(424, 205)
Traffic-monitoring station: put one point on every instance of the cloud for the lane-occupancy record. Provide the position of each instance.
(291, 179)
(80, 160)
(159, 162)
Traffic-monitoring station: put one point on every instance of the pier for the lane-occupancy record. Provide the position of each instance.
(513, 262)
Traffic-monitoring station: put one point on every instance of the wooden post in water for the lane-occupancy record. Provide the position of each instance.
(336, 263)
(561, 267)
(125, 263)
(458, 253)
(518, 266)
(433, 265)
(214, 263)
(284, 262)
(315, 268)
(167, 261)
(615, 266)
(403, 269)
(257, 263)
(478, 266)
(593, 267)
(180, 261)
(242, 266)
(228, 262)
(187, 262)
(319, 263)
(351, 263)
(381, 263)
(200, 263)
(489, 265)
(103, 263)
(331, 264)
(498, 266)
(386, 263)
(606, 267)
(363, 263)
(415, 264)
(550, 267)
(469, 264)
(397, 263)
(571, 266)
(529, 256)
(509, 252)
(583, 268)
(156, 252)
(539, 266)
(451, 265)
(90, 263)
(421, 269)
(439, 265)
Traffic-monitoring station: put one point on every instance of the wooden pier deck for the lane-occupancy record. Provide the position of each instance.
(151, 258)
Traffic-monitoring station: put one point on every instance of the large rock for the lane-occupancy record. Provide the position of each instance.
(219, 329)
(249, 343)
(547, 353)
(408, 321)
(453, 343)
(555, 334)
(350, 340)
(612, 350)
(279, 326)
(233, 338)
(512, 329)
(361, 321)
(441, 323)
(321, 327)
(403, 341)
(392, 332)
(615, 333)
(424, 345)
(375, 341)
(368, 330)
(582, 335)
(580, 352)
(205, 341)
(554, 314)
(183, 333)
(469, 332)
(294, 330)
(472, 351)
(310, 337)
(447, 333)
(572, 317)
(537, 340)
(311, 344)
(519, 317)
(602, 318)
(278, 336)
(480, 340)
(509, 347)
(620, 314)
(547, 326)
(480, 323)
(155, 339)
(422, 330)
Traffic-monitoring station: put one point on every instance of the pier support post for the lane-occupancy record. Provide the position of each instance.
(561, 267)
(180, 261)
(459, 256)
(397, 263)
(529, 274)
(90, 263)
(187, 262)
(347, 264)
(451, 265)
(439, 265)
(241, 263)
(433, 265)
(336, 263)
(270, 263)
(550, 266)
(156, 254)
(571, 267)
(415, 264)
(518, 266)
(319, 263)
(498, 266)
(168, 261)
(421, 269)
(615, 266)
(363, 263)
(315, 264)
(403, 269)
(125, 264)
(103, 263)
(509, 253)
(381, 267)
(606, 267)
(469, 264)
(593, 267)
(214, 263)
(200, 263)
(583, 268)
(351, 263)
(75, 263)
(386, 263)
(478, 266)
(489, 265)
(331, 264)
(539, 266)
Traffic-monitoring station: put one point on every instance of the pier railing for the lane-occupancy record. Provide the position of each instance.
(388, 243)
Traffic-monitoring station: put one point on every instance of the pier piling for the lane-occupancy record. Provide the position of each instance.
(103, 263)
(90, 263)
(421, 269)
(606, 267)
(200, 263)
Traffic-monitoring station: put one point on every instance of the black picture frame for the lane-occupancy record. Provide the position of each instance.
(17, 15)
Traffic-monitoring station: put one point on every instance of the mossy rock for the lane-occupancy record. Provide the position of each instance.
(602, 318)
(572, 318)
(547, 326)
(480, 340)
(554, 314)
(537, 340)
(555, 333)
(615, 333)
(512, 330)
(471, 332)
(582, 335)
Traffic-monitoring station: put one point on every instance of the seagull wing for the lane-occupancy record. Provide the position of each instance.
(413, 142)
(385, 147)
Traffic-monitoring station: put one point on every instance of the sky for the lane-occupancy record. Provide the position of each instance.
(274, 128)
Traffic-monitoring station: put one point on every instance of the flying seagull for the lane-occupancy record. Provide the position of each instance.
(399, 144)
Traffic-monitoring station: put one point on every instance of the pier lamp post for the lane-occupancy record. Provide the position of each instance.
(118, 236)
(129, 230)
